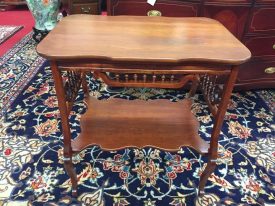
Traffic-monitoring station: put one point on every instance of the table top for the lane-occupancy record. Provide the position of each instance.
(142, 39)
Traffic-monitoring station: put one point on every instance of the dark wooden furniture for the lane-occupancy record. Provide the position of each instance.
(5, 4)
(150, 53)
(251, 21)
(83, 6)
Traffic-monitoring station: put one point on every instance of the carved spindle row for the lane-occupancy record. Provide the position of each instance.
(210, 88)
(72, 85)
(162, 78)
(211, 91)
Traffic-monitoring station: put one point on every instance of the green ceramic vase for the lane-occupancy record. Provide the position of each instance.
(45, 13)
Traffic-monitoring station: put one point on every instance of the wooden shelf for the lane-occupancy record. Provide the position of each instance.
(116, 124)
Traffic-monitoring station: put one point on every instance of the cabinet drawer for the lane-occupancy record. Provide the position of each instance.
(228, 2)
(261, 46)
(232, 17)
(257, 71)
(262, 20)
(84, 1)
(89, 8)
(164, 8)
(265, 1)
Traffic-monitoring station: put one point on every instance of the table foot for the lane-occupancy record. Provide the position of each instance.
(201, 193)
(68, 164)
(74, 193)
(210, 167)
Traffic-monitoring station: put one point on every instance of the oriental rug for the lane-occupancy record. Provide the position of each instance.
(17, 67)
(32, 172)
(8, 31)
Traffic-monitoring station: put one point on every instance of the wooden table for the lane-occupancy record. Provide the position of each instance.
(142, 52)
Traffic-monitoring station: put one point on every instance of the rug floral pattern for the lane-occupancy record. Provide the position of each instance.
(32, 172)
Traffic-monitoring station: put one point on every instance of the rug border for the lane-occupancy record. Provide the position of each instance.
(269, 103)
(17, 28)
(15, 90)
(15, 48)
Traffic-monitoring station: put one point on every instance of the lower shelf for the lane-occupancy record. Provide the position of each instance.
(116, 123)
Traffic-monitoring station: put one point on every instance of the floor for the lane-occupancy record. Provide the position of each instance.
(17, 16)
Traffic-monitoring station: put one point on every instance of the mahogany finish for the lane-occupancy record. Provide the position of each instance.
(234, 18)
(260, 67)
(261, 46)
(159, 40)
(161, 47)
(251, 21)
(258, 21)
(141, 8)
(6, 4)
(82, 6)
(116, 124)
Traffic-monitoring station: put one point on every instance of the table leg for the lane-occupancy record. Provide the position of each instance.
(194, 86)
(218, 121)
(64, 114)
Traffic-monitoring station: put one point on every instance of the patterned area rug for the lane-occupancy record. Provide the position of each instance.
(269, 97)
(32, 173)
(8, 31)
(17, 67)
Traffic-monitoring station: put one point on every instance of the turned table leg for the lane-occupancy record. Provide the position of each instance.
(218, 121)
(69, 167)
(64, 114)
(194, 86)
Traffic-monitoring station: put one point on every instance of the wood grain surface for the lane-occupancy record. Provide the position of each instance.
(142, 39)
(116, 123)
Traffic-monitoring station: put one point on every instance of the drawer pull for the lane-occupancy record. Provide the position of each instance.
(153, 13)
(270, 70)
(85, 11)
(273, 46)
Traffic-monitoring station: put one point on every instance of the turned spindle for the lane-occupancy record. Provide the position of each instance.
(144, 78)
(172, 78)
(154, 78)
(210, 86)
(212, 92)
(162, 78)
(117, 77)
(203, 81)
(135, 77)
(126, 77)
(207, 84)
